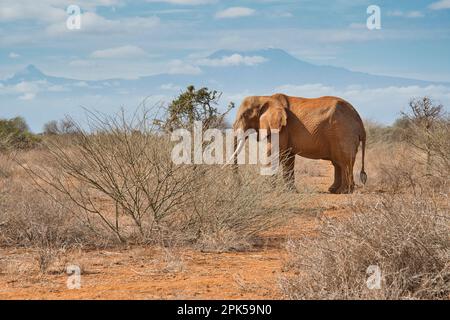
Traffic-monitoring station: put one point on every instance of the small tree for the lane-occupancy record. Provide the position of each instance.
(51, 128)
(194, 105)
(14, 133)
(64, 126)
(424, 112)
(426, 126)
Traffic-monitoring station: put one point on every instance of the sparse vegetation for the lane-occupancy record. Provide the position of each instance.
(194, 105)
(120, 176)
(15, 134)
(64, 126)
(110, 184)
(405, 232)
(406, 238)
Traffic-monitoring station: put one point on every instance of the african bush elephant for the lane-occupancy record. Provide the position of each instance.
(327, 128)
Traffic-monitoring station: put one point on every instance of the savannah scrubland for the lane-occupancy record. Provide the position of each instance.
(105, 196)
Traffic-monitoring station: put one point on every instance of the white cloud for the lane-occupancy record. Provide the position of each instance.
(233, 60)
(27, 90)
(170, 86)
(27, 96)
(24, 90)
(235, 12)
(306, 90)
(440, 5)
(180, 67)
(82, 63)
(22, 10)
(376, 103)
(237, 96)
(414, 14)
(56, 88)
(406, 14)
(81, 84)
(47, 10)
(281, 14)
(316, 90)
(96, 24)
(185, 2)
(13, 55)
(127, 51)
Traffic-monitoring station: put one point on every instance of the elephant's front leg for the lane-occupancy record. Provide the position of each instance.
(288, 164)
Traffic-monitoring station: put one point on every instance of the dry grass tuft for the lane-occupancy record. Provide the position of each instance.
(405, 233)
(407, 238)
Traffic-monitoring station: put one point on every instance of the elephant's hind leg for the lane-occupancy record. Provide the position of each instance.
(347, 182)
(337, 179)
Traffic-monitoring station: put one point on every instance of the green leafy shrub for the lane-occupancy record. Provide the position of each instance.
(14, 133)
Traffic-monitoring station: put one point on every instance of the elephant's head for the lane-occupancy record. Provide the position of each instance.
(260, 112)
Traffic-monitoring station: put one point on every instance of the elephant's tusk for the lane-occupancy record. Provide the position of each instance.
(238, 149)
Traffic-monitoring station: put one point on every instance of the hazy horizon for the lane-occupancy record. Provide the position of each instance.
(126, 51)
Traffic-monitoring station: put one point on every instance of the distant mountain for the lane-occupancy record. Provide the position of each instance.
(31, 73)
(279, 68)
(282, 68)
(234, 73)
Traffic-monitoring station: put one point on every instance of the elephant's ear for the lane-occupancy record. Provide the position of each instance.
(272, 116)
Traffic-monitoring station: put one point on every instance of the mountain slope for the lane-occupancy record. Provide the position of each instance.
(279, 68)
(41, 97)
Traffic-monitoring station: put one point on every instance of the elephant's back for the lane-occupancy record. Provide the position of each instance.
(315, 111)
(321, 104)
(324, 122)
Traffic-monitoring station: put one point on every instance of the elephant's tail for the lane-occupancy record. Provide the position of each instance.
(363, 174)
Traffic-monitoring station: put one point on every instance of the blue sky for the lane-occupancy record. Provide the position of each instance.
(129, 39)
(413, 41)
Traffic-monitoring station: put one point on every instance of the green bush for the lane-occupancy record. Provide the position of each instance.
(14, 133)
(194, 105)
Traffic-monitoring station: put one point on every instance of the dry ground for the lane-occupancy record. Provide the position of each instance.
(152, 273)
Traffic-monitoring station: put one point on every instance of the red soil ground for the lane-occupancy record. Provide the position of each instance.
(151, 273)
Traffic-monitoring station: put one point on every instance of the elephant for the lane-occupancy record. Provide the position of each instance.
(327, 128)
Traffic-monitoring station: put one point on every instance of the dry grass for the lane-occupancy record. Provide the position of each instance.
(114, 185)
(407, 239)
(116, 182)
(6, 166)
(405, 232)
(30, 219)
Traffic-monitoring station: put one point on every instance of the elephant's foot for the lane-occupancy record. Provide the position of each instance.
(333, 189)
(291, 187)
(344, 190)
(289, 183)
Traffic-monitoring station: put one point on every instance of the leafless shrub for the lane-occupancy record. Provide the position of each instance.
(28, 218)
(62, 127)
(427, 130)
(377, 133)
(418, 164)
(230, 211)
(119, 174)
(44, 258)
(173, 261)
(395, 169)
(407, 238)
